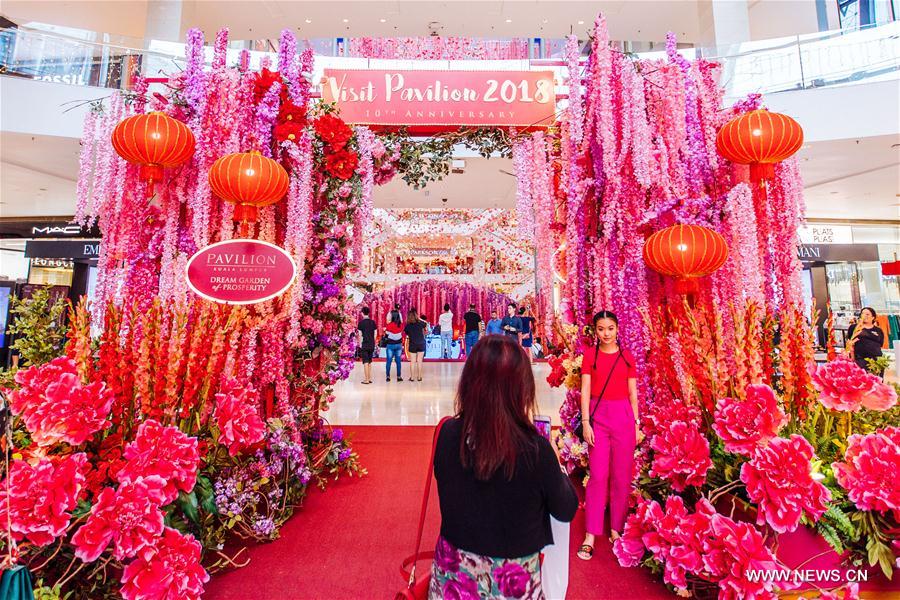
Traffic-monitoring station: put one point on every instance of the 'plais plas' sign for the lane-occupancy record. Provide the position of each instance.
(240, 271)
(442, 98)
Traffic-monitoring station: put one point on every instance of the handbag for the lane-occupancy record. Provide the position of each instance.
(579, 429)
(417, 587)
(382, 343)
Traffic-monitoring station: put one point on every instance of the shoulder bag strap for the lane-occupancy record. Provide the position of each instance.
(608, 377)
(424, 511)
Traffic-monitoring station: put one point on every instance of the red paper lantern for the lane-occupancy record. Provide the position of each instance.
(155, 141)
(685, 252)
(760, 139)
(249, 180)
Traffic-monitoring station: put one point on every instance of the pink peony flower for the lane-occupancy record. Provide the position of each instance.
(129, 517)
(779, 479)
(747, 424)
(870, 468)
(42, 497)
(512, 579)
(681, 456)
(237, 418)
(844, 385)
(629, 548)
(56, 406)
(168, 570)
(163, 451)
(848, 592)
(730, 549)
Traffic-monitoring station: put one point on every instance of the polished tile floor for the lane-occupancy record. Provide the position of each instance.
(414, 402)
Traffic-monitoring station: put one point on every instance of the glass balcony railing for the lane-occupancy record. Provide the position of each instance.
(810, 61)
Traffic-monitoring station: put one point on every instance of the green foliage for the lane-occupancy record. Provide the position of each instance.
(423, 161)
(43, 592)
(878, 365)
(37, 322)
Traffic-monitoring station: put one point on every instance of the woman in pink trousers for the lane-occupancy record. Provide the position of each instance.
(609, 411)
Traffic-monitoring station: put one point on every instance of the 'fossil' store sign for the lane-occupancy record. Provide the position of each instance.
(442, 98)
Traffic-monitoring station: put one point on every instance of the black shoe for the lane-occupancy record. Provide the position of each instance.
(388, 379)
(399, 379)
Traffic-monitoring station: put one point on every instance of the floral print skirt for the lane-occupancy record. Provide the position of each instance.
(460, 575)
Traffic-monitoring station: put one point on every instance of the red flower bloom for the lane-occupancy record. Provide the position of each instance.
(170, 569)
(341, 164)
(264, 80)
(129, 517)
(630, 548)
(333, 132)
(163, 451)
(288, 130)
(557, 371)
(290, 112)
(56, 406)
(747, 424)
(41, 497)
(681, 456)
(844, 385)
(870, 468)
(779, 479)
(237, 417)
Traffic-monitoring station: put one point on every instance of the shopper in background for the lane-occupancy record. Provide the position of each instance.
(609, 416)
(445, 322)
(390, 314)
(427, 324)
(512, 324)
(537, 349)
(866, 338)
(414, 343)
(493, 326)
(498, 479)
(527, 329)
(473, 328)
(394, 334)
(366, 329)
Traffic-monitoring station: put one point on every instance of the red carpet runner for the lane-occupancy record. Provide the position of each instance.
(347, 543)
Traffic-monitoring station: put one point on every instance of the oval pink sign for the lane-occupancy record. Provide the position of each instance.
(240, 271)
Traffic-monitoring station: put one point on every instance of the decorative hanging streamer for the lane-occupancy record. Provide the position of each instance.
(362, 224)
(522, 152)
(541, 188)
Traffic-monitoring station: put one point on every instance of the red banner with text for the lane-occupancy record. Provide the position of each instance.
(442, 99)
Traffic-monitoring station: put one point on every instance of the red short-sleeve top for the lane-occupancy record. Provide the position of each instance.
(598, 364)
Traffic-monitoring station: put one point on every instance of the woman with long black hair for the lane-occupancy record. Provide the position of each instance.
(866, 339)
(609, 416)
(499, 481)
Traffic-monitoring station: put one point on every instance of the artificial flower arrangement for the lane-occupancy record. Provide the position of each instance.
(820, 453)
(132, 479)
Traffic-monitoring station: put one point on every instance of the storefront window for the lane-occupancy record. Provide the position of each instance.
(843, 285)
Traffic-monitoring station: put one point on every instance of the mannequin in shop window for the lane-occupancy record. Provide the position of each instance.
(865, 339)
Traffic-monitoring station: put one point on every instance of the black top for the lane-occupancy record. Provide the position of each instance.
(514, 322)
(500, 518)
(415, 333)
(868, 343)
(368, 328)
(472, 320)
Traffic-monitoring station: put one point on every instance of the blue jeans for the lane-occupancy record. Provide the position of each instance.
(471, 340)
(446, 343)
(393, 353)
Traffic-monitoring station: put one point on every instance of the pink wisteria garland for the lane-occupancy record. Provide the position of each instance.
(522, 153)
(362, 223)
(438, 48)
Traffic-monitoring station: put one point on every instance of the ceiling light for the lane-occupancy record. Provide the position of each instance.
(509, 20)
(309, 20)
(581, 22)
(346, 20)
(545, 21)
(383, 20)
